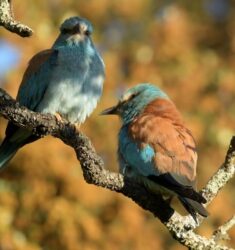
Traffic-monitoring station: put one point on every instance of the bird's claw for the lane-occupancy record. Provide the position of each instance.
(58, 117)
(77, 127)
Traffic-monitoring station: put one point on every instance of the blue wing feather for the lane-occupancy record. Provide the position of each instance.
(36, 78)
(132, 155)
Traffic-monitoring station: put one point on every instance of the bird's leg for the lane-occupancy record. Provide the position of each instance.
(77, 127)
(124, 169)
(58, 117)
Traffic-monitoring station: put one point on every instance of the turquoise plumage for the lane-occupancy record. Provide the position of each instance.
(66, 81)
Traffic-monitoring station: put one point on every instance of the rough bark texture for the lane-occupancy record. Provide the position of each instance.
(181, 227)
(7, 20)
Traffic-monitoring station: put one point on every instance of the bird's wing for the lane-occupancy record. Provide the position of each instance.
(163, 151)
(34, 85)
(173, 144)
(36, 78)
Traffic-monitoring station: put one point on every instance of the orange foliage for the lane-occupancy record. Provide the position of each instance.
(181, 47)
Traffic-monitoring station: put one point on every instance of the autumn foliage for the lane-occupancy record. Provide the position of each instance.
(188, 49)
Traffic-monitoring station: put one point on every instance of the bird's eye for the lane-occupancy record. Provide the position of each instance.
(133, 96)
(128, 99)
(87, 33)
(65, 31)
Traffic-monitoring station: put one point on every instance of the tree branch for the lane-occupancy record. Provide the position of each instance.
(222, 232)
(7, 20)
(181, 227)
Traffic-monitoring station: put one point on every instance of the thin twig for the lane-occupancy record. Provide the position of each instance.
(222, 232)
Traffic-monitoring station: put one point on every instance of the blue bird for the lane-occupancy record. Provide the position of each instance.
(65, 81)
(155, 148)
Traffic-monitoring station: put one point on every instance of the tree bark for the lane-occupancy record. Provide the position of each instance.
(7, 20)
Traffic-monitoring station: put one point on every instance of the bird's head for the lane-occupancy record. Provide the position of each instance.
(134, 100)
(73, 31)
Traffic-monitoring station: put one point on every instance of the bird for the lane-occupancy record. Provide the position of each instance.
(65, 80)
(155, 148)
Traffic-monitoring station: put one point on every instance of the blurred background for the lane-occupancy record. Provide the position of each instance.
(185, 47)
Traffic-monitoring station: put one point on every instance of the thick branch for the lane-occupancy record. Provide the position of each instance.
(7, 20)
(95, 173)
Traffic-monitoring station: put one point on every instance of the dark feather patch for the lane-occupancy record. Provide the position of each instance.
(192, 207)
(167, 181)
(12, 129)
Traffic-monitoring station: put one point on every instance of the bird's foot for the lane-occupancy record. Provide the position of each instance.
(77, 127)
(58, 117)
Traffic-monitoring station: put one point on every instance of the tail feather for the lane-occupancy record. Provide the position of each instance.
(193, 207)
(14, 140)
(7, 151)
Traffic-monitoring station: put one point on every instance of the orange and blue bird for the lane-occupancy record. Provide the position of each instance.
(155, 148)
(66, 81)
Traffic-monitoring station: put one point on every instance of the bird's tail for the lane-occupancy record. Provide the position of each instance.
(193, 207)
(14, 140)
(7, 151)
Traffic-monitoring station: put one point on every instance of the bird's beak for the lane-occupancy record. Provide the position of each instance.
(110, 111)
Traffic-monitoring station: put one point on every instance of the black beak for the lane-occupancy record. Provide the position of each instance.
(110, 111)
